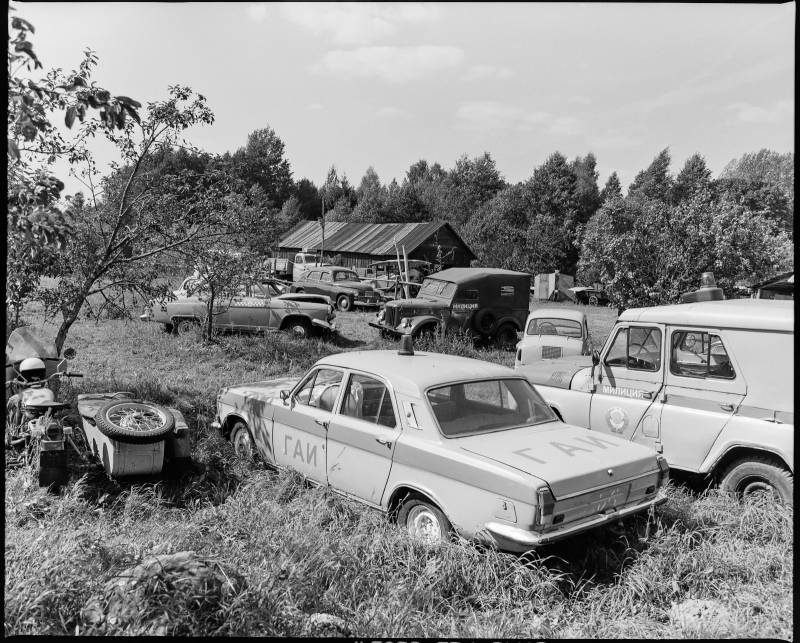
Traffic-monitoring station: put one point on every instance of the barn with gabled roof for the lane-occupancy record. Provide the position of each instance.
(360, 244)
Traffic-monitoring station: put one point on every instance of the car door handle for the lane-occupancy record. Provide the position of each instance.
(323, 423)
(728, 408)
(386, 443)
(648, 395)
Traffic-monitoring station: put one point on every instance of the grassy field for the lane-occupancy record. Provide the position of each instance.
(704, 566)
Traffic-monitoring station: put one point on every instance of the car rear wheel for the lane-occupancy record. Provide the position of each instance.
(758, 475)
(242, 441)
(593, 300)
(344, 303)
(424, 521)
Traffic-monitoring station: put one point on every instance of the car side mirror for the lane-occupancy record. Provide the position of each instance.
(595, 358)
(285, 397)
(69, 353)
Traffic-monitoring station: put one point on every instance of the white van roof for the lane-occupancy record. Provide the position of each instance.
(751, 314)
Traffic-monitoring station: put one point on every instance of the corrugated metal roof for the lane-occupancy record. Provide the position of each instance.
(364, 238)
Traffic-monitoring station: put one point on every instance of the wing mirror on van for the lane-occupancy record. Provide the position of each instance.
(595, 362)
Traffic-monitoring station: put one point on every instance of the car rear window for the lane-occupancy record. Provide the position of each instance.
(554, 326)
(486, 406)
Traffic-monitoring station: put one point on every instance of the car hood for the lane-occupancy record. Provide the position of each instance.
(555, 372)
(417, 306)
(265, 391)
(568, 458)
(305, 297)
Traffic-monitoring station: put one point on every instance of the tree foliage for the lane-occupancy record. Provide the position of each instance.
(655, 182)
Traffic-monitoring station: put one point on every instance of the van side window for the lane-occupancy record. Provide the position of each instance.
(507, 291)
(637, 348)
(699, 354)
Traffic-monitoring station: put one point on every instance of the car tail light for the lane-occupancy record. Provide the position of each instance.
(519, 354)
(663, 471)
(546, 504)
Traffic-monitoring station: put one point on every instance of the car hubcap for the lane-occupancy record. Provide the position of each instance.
(422, 524)
(138, 418)
(299, 331)
(242, 445)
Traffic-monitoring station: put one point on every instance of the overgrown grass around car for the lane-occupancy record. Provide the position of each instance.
(702, 566)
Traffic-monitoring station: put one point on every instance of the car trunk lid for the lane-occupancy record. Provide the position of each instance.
(555, 372)
(569, 459)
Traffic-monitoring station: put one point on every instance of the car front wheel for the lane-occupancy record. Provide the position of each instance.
(298, 329)
(242, 441)
(344, 303)
(424, 521)
(758, 475)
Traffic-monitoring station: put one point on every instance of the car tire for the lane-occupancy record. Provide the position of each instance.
(344, 303)
(242, 442)
(427, 332)
(506, 337)
(134, 421)
(593, 300)
(298, 329)
(168, 328)
(756, 474)
(186, 326)
(484, 321)
(424, 521)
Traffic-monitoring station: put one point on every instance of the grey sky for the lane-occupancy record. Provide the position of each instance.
(385, 85)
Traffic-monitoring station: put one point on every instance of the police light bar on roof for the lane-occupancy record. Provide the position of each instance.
(708, 290)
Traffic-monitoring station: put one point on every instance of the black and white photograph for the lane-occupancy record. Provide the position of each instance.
(410, 320)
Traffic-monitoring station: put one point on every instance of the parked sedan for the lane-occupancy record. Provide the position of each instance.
(590, 296)
(445, 444)
(256, 306)
(553, 332)
(342, 285)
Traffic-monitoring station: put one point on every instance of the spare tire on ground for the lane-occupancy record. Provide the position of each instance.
(134, 421)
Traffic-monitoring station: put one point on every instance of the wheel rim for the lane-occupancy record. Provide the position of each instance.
(242, 444)
(185, 326)
(138, 418)
(755, 486)
(299, 331)
(423, 525)
(344, 303)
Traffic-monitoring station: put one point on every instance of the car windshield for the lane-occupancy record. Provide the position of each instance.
(554, 326)
(437, 288)
(345, 275)
(486, 406)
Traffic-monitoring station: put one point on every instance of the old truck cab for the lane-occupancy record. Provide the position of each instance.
(709, 384)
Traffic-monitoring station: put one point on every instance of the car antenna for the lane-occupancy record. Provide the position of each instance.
(406, 346)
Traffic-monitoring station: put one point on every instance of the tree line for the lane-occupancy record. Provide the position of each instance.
(167, 206)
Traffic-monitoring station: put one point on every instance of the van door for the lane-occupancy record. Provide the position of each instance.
(704, 386)
(627, 383)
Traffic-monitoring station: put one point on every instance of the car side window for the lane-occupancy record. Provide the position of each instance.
(699, 354)
(324, 276)
(637, 348)
(320, 389)
(368, 399)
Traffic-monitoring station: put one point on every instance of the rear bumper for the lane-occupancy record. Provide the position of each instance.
(515, 539)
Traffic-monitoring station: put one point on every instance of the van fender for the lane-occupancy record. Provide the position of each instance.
(720, 454)
(419, 322)
(510, 320)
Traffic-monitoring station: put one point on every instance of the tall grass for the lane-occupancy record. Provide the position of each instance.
(280, 551)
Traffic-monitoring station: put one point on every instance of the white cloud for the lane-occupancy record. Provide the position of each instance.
(484, 72)
(395, 64)
(357, 23)
(567, 126)
(392, 112)
(771, 114)
(258, 12)
(483, 115)
(616, 138)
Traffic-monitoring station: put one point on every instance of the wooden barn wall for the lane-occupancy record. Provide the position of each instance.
(453, 252)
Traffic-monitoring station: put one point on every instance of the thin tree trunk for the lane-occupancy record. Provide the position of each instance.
(210, 316)
(66, 324)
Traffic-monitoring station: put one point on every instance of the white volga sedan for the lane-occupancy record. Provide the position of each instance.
(442, 444)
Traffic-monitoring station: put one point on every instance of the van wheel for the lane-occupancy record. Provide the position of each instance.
(424, 521)
(506, 337)
(758, 475)
(344, 303)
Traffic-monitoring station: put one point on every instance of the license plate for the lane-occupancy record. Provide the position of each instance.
(610, 499)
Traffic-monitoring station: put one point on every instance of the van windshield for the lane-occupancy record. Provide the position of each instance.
(485, 406)
(437, 288)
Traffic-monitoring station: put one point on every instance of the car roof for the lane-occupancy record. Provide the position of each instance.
(559, 313)
(412, 374)
(753, 314)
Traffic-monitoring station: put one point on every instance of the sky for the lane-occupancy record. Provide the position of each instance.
(384, 85)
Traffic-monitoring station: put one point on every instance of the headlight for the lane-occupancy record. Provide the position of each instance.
(381, 315)
(405, 322)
